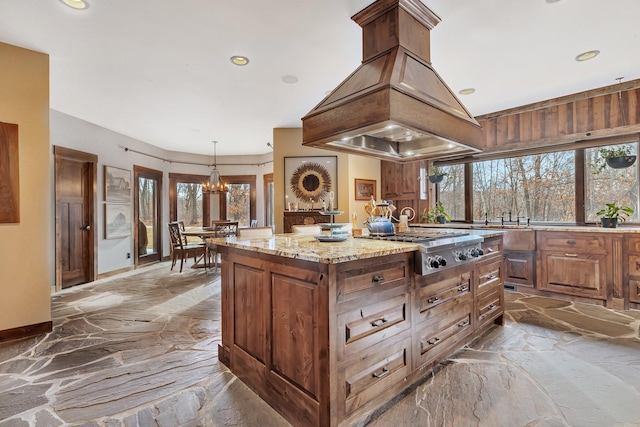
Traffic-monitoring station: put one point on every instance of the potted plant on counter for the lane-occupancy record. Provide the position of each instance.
(616, 157)
(436, 174)
(437, 214)
(613, 215)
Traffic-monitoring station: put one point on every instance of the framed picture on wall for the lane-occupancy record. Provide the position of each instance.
(117, 185)
(117, 220)
(365, 188)
(310, 180)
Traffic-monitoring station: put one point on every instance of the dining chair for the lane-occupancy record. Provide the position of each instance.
(180, 248)
(255, 232)
(308, 229)
(254, 223)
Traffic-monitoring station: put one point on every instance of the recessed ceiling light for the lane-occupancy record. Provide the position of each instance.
(76, 4)
(467, 91)
(585, 56)
(290, 79)
(239, 60)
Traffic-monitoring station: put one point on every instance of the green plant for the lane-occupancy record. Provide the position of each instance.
(432, 215)
(621, 213)
(435, 170)
(605, 153)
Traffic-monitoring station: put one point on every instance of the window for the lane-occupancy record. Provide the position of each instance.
(451, 191)
(619, 186)
(240, 201)
(540, 187)
(187, 202)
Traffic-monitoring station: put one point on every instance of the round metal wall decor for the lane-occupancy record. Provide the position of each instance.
(310, 181)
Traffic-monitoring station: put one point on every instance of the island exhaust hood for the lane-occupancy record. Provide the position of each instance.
(394, 106)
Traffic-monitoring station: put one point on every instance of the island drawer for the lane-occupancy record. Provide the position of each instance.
(489, 275)
(492, 247)
(371, 323)
(433, 304)
(634, 291)
(371, 276)
(572, 243)
(489, 306)
(370, 374)
(444, 331)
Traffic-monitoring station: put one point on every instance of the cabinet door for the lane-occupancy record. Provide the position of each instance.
(400, 180)
(582, 275)
(519, 268)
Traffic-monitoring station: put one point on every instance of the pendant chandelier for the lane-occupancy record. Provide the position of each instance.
(215, 183)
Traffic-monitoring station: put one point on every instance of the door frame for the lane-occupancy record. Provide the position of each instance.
(60, 153)
(157, 175)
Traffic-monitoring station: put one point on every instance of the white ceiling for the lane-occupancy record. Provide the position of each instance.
(159, 70)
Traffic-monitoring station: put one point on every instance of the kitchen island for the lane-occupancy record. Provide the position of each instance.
(327, 333)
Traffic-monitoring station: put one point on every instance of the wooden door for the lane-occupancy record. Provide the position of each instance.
(75, 217)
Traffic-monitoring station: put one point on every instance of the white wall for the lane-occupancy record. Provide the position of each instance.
(71, 132)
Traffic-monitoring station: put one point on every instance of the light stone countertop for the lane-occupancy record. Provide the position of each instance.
(307, 248)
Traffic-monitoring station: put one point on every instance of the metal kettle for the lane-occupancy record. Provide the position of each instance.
(379, 222)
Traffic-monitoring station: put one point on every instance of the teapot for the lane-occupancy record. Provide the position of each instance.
(379, 220)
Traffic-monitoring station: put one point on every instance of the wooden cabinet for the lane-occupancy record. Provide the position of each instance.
(632, 270)
(519, 247)
(303, 217)
(400, 180)
(575, 264)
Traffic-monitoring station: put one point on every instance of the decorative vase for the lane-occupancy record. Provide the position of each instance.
(621, 162)
(609, 222)
(436, 178)
(441, 219)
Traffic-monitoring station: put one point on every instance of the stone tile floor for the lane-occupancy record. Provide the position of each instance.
(140, 349)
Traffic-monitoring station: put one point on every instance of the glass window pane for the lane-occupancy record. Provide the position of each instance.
(190, 204)
(540, 187)
(619, 186)
(147, 214)
(239, 204)
(451, 191)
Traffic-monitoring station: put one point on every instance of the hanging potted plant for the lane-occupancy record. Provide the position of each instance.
(612, 215)
(616, 157)
(437, 214)
(436, 174)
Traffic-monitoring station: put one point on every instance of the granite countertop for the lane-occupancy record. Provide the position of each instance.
(307, 248)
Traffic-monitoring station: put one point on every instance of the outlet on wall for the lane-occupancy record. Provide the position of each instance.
(128, 255)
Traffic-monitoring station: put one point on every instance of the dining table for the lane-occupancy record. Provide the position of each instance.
(219, 228)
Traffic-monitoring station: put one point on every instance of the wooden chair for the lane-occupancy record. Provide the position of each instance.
(255, 232)
(179, 246)
(254, 223)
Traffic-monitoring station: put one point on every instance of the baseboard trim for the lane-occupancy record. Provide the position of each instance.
(26, 331)
(116, 272)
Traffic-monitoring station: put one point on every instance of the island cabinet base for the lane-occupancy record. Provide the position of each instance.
(328, 344)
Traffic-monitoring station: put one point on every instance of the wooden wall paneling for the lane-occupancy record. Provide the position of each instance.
(9, 174)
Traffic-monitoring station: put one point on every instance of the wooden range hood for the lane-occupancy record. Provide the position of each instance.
(394, 106)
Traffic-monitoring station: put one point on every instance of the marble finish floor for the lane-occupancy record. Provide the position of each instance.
(140, 349)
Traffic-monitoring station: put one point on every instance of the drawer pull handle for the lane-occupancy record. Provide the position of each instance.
(489, 250)
(378, 278)
(384, 372)
(571, 242)
(433, 300)
(492, 306)
(571, 255)
(436, 340)
(378, 322)
(463, 324)
(463, 288)
(491, 276)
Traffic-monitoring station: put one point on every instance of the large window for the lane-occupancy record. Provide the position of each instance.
(451, 191)
(619, 186)
(187, 202)
(545, 188)
(240, 201)
(540, 187)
